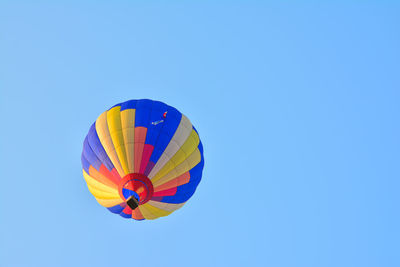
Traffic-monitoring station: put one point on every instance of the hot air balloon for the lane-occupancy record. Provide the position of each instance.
(142, 159)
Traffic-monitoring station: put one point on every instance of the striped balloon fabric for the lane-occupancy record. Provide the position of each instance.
(142, 159)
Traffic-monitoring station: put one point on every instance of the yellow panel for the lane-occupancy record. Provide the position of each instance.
(128, 130)
(115, 129)
(166, 178)
(105, 139)
(156, 211)
(102, 194)
(166, 206)
(185, 166)
(187, 149)
(182, 179)
(146, 213)
(109, 202)
(97, 185)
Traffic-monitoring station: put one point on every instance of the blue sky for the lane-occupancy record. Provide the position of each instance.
(297, 106)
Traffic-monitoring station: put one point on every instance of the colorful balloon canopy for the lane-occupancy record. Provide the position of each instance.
(142, 159)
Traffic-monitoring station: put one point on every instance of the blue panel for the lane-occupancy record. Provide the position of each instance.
(85, 163)
(90, 155)
(98, 149)
(116, 209)
(183, 193)
(127, 216)
(143, 108)
(156, 122)
(171, 123)
(131, 104)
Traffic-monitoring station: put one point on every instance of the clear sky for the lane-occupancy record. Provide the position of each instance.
(297, 106)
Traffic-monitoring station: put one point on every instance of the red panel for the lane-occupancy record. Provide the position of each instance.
(127, 210)
(140, 138)
(112, 175)
(147, 151)
(168, 192)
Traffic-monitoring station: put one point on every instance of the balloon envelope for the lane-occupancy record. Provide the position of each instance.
(142, 159)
